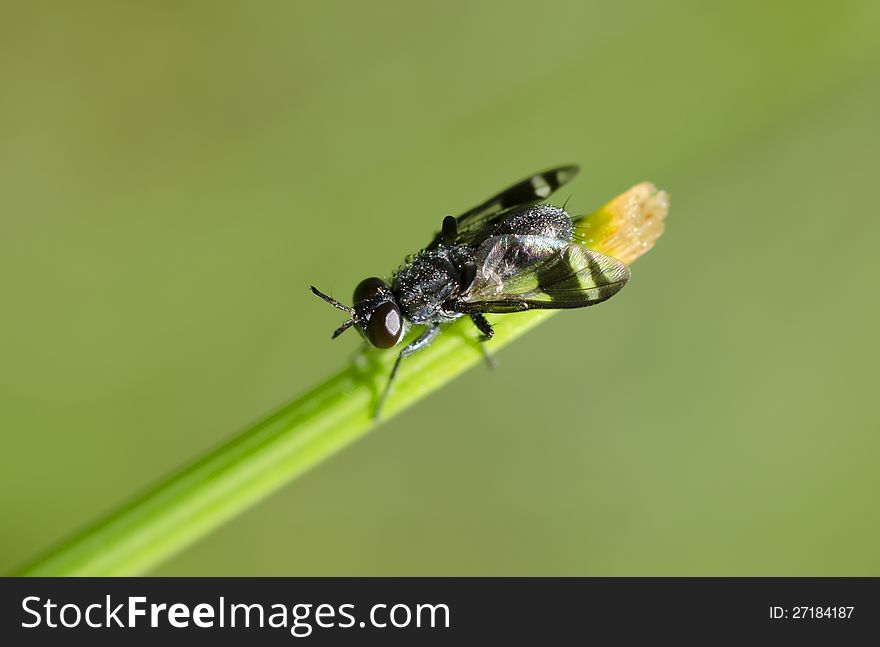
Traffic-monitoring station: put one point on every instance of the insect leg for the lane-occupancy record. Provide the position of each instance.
(422, 341)
(449, 231)
(483, 324)
(485, 327)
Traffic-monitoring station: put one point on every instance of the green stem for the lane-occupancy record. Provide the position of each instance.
(200, 497)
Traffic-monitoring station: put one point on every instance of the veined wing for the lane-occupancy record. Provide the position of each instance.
(516, 273)
(529, 190)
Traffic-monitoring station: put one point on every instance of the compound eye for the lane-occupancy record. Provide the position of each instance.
(385, 326)
(369, 288)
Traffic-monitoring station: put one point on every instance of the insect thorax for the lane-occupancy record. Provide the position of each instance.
(429, 279)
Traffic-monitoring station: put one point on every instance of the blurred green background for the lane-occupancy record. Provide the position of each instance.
(174, 175)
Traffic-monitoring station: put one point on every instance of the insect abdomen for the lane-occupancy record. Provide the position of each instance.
(536, 220)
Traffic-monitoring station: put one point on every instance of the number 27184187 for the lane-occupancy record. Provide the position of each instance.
(811, 613)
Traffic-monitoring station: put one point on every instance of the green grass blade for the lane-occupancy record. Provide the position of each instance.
(255, 463)
(197, 499)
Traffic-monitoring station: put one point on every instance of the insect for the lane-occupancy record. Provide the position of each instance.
(509, 254)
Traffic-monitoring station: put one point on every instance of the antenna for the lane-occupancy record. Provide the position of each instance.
(342, 328)
(333, 302)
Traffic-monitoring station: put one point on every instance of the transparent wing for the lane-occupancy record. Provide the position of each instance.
(516, 273)
(532, 189)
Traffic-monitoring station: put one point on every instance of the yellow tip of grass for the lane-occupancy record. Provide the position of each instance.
(628, 226)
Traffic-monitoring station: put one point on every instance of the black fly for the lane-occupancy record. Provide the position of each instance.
(510, 253)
